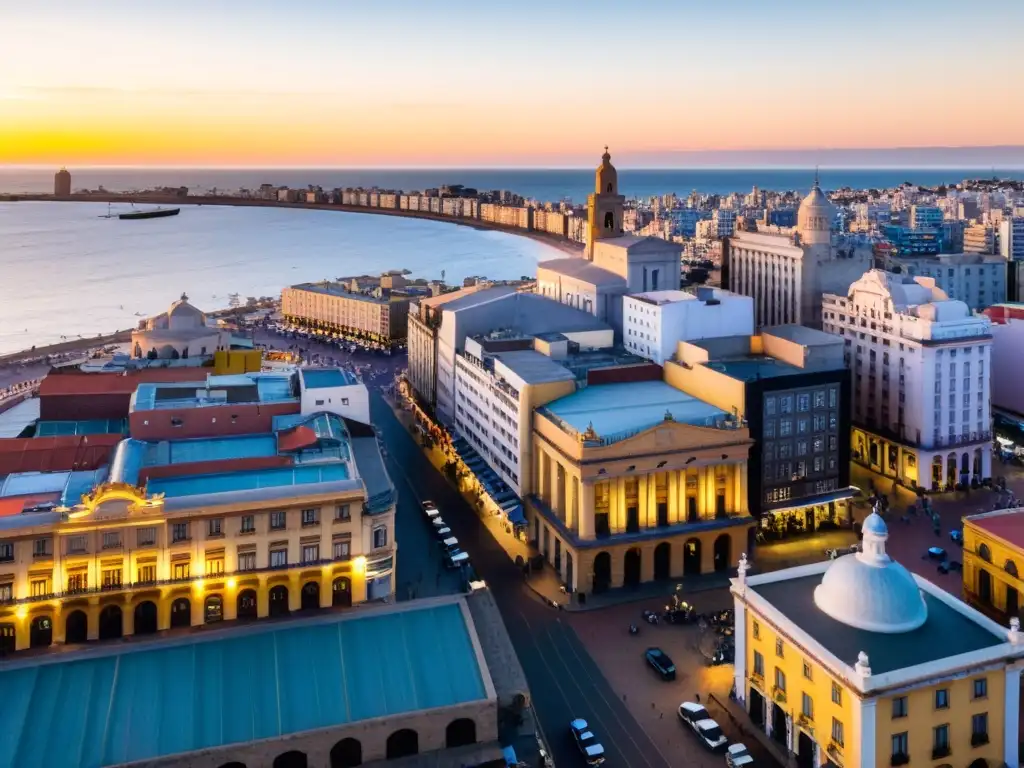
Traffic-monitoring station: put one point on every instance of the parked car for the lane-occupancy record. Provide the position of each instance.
(432, 513)
(443, 533)
(587, 742)
(456, 559)
(450, 544)
(700, 722)
(427, 505)
(661, 663)
(737, 756)
(438, 522)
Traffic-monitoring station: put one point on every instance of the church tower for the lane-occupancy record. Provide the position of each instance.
(604, 206)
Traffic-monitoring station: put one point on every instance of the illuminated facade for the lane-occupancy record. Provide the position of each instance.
(993, 557)
(636, 482)
(332, 307)
(857, 663)
(192, 532)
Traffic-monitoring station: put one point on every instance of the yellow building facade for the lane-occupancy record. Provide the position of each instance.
(993, 557)
(858, 663)
(659, 500)
(122, 564)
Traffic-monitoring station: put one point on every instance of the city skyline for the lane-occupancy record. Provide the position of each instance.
(341, 85)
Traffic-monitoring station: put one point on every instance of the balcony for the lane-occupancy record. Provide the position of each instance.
(978, 739)
(900, 758)
(941, 751)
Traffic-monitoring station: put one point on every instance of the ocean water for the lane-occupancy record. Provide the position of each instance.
(64, 271)
(574, 184)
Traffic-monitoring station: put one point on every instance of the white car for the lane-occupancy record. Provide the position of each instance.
(707, 730)
(736, 756)
(587, 742)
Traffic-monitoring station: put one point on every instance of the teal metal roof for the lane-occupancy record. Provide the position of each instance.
(617, 411)
(319, 378)
(210, 449)
(192, 485)
(145, 703)
(86, 427)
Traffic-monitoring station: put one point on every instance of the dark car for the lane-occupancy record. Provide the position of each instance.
(661, 663)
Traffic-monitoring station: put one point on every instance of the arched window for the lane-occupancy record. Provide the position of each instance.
(985, 553)
(610, 189)
(214, 609)
(1010, 567)
(402, 744)
(460, 733)
(609, 220)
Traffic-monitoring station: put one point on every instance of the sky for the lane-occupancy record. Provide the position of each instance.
(344, 83)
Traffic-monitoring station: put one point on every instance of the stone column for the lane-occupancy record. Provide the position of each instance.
(674, 503)
(585, 528)
(740, 678)
(642, 499)
(864, 731)
(744, 467)
(573, 516)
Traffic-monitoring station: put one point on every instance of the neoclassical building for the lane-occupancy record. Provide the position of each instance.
(786, 270)
(857, 663)
(180, 533)
(635, 482)
(180, 332)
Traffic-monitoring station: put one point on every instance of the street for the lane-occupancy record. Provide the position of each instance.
(564, 680)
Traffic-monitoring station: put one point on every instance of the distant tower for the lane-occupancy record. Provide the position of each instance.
(62, 183)
(814, 217)
(604, 207)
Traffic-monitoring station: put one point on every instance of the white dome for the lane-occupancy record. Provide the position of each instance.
(814, 217)
(183, 316)
(869, 590)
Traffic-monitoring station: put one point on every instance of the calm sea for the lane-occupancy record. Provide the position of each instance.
(65, 271)
(538, 184)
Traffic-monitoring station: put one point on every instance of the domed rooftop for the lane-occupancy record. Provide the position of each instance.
(183, 315)
(816, 199)
(869, 590)
(606, 178)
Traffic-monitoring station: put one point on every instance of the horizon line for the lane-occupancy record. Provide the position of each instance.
(710, 167)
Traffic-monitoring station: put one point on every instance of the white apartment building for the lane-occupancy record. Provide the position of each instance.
(977, 280)
(499, 380)
(786, 271)
(1011, 238)
(921, 367)
(655, 322)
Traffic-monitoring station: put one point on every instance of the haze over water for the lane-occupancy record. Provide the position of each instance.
(65, 271)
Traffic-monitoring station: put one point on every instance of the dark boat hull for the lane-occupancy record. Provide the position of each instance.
(159, 213)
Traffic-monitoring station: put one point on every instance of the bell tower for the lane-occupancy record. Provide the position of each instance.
(604, 206)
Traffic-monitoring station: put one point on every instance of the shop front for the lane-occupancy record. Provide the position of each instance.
(792, 517)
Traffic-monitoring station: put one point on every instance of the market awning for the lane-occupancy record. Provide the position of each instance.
(516, 516)
(811, 501)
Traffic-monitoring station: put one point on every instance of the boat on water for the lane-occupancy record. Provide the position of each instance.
(150, 213)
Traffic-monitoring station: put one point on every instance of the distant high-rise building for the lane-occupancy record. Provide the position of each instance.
(1011, 238)
(62, 183)
(925, 216)
(979, 238)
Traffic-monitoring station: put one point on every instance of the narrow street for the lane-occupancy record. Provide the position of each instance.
(564, 680)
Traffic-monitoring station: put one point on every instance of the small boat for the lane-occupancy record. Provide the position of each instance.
(151, 213)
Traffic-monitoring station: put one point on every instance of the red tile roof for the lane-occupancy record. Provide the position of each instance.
(15, 505)
(114, 383)
(56, 454)
(1009, 527)
(296, 438)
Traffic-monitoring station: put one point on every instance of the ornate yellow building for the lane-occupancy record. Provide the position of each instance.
(635, 482)
(993, 557)
(857, 663)
(186, 533)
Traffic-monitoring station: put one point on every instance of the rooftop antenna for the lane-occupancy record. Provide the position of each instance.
(815, 175)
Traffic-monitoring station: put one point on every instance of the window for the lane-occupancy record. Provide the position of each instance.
(213, 526)
(780, 679)
(940, 741)
(757, 631)
(78, 582)
(837, 732)
(979, 729)
(278, 558)
(785, 428)
(803, 402)
(111, 539)
(900, 746)
(769, 406)
(808, 675)
(215, 565)
(786, 404)
(806, 706)
(837, 694)
(182, 570)
(819, 399)
(39, 587)
(981, 688)
(342, 550)
(41, 547)
(146, 574)
(310, 553)
(145, 537)
(779, 648)
(248, 524)
(112, 578)
(380, 536)
(76, 544)
(942, 698)
(769, 428)
(277, 521)
(310, 516)
(342, 512)
(179, 532)
(899, 706)
(6, 551)
(247, 561)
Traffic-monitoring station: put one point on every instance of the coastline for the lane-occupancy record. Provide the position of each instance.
(568, 246)
(117, 337)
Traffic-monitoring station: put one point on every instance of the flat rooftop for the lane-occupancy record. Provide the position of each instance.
(887, 652)
(534, 367)
(214, 391)
(618, 409)
(322, 378)
(663, 297)
(241, 685)
(754, 367)
(342, 291)
(801, 334)
(227, 482)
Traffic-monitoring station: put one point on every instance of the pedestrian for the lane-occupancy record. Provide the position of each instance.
(697, 697)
